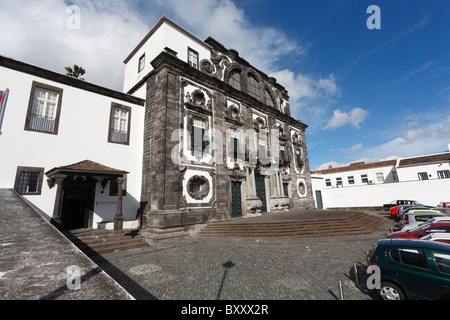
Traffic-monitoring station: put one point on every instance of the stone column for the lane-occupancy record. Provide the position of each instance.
(252, 181)
(118, 218)
(56, 218)
(280, 184)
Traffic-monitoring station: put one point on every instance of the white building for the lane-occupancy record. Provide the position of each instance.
(70, 129)
(370, 185)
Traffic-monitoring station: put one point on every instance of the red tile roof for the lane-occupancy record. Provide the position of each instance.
(86, 166)
(358, 166)
(425, 159)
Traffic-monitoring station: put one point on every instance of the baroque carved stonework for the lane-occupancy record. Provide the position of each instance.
(214, 67)
(198, 187)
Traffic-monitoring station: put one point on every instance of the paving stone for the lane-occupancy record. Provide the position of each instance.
(291, 269)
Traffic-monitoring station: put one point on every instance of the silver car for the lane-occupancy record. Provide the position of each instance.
(440, 218)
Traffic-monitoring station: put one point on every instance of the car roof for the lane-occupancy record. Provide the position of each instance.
(423, 212)
(444, 217)
(438, 235)
(417, 243)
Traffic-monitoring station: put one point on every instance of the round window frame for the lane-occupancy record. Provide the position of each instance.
(204, 190)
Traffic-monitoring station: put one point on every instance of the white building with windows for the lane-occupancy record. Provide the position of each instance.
(370, 185)
(63, 134)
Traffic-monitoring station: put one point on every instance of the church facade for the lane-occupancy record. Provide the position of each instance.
(197, 135)
(218, 133)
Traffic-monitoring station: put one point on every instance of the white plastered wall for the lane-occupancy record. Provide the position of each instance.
(82, 135)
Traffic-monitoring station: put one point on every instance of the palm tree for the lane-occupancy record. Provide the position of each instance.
(76, 72)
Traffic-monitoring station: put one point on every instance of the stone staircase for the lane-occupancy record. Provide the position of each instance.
(358, 223)
(95, 242)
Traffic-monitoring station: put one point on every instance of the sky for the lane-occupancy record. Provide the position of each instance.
(366, 94)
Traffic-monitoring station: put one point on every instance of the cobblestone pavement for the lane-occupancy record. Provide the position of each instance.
(247, 269)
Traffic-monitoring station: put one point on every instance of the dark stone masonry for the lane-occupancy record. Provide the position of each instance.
(197, 116)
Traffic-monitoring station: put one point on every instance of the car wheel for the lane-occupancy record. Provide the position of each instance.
(390, 291)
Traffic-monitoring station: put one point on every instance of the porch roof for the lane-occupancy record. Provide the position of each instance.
(86, 167)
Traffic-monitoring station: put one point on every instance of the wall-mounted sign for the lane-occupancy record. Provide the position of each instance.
(3, 100)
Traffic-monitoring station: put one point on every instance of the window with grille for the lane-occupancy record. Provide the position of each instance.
(43, 109)
(364, 178)
(234, 79)
(198, 135)
(298, 155)
(380, 177)
(394, 175)
(351, 180)
(444, 174)
(269, 100)
(253, 88)
(423, 176)
(29, 180)
(193, 58)
(119, 127)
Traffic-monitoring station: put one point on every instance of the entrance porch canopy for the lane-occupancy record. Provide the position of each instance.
(86, 168)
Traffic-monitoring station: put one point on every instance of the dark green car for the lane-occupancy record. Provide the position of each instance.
(412, 269)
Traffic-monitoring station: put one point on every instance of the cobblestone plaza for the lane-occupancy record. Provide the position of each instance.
(217, 268)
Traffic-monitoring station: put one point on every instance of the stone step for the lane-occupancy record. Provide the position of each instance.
(162, 236)
(104, 241)
(355, 224)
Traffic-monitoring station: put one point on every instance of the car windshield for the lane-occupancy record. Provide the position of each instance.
(421, 227)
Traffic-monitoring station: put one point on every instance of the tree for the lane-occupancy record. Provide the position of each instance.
(76, 72)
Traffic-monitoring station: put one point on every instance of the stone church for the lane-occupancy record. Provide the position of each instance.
(219, 139)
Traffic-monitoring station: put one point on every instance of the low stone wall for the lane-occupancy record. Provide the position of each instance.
(364, 209)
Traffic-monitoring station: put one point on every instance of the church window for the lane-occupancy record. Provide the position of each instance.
(234, 79)
(253, 87)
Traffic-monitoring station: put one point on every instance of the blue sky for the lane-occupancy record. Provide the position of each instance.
(365, 94)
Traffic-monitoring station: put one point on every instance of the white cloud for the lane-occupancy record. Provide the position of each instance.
(36, 32)
(262, 46)
(355, 148)
(412, 73)
(435, 130)
(310, 96)
(430, 139)
(341, 118)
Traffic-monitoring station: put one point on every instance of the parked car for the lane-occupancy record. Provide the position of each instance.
(394, 211)
(443, 218)
(443, 210)
(444, 205)
(422, 230)
(401, 209)
(416, 217)
(401, 215)
(440, 237)
(412, 269)
(396, 203)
